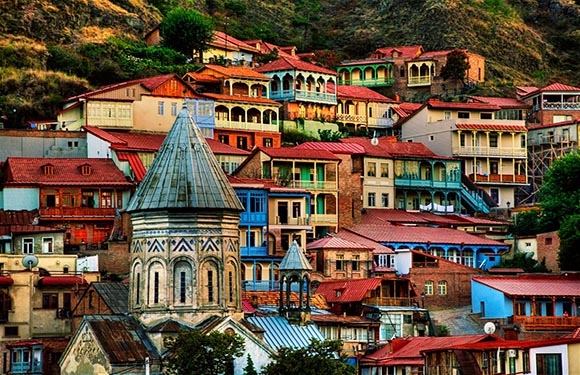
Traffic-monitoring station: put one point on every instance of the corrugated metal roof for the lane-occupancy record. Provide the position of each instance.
(334, 147)
(342, 291)
(135, 162)
(184, 174)
(295, 260)
(122, 338)
(360, 92)
(333, 242)
(114, 294)
(496, 127)
(279, 333)
(285, 63)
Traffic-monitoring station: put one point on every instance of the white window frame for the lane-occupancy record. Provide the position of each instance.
(28, 245)
(47, 245)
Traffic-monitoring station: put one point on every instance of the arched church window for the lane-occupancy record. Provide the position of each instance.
(182, 281)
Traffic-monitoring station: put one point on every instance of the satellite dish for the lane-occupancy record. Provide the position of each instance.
(30, 261)
(489, 328)
(374, 141)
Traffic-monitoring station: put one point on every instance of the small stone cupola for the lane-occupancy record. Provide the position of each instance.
(295, 268)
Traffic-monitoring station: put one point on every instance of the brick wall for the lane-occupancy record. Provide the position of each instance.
(349, 191)
(458, 280)
(548, 247)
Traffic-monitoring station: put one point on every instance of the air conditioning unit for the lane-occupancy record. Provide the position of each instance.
(512, 353)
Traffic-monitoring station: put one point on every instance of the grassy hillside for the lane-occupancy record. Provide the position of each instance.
(524, 41)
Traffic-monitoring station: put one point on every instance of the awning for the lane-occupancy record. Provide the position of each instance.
(61, 280)
(6, 280)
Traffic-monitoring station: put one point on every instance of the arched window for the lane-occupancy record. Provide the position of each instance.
(231, 284)
(428, 288)
(136, 292)
(258, 271)
(156, 284)
(442, 288)
(209, 280)
(182, 283)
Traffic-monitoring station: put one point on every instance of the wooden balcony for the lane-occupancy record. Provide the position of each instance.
(499, 178)
(388, 301)
(247, 125)
(76, 213)
(323, 219)
(367, 82)
(351, 118)
(547, 323)
(509, 152)
(419, 81)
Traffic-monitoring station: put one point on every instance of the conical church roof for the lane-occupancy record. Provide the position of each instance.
(185, 174)
(295, 260)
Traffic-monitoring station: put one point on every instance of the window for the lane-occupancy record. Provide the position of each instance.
(173, 109)
(28, 246)
(493, 140)
(520, 308)
(88, 199)
(156, 287)
(71, 198)
(385, 199)
(224, 139)
(462, 139)
(428, 288)
(210, 286)
(106, 199)
(548, 241)
(391, 325)
(243, 143)
(161, 108)
(47, 245)
(442, 288)
(371, 199)
(431, 138)
(486, 116)
(50, 300)
(182, 286)
(371, 169)
(267, 142)
(356, 262)
(296, 209)
(463, 114)
(340, 262)
(86, 170)
(549, 364)
(384, 170)
(48, 169)
(11, 331)
(447, 115)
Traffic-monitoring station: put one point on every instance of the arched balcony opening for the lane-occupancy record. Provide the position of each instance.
(254, 115)
(238, 114)
(240, 89)
(222, 113)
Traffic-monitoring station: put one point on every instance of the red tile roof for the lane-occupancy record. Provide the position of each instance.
(407, 351)
(241, 99)
(387, 149)
(493, 127)
(285, 63)
(474, 106)
(333, 242)
(235, 71)
(344, 291)
(394, 216)
(353, 237)
(406, 52)
(200, 77)
(361, 93)
(67, 171)
(334, 147)
(297, 153)
(223, 40)
(553, 125)
(527, 92)
(501, 102)
(266, 48)
(421, 234)
(559, 87)
(135, 162)
(533, 285)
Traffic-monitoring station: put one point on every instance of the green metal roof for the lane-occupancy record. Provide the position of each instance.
(185, 174)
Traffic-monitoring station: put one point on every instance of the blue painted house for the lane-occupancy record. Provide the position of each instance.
(532, 302)
(273, 217)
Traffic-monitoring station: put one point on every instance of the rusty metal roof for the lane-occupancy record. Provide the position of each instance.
(122, 338)
(184, 174)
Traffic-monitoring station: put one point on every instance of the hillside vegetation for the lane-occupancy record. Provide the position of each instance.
(92, 43)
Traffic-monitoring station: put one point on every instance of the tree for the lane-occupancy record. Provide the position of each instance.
(560, 191)
(569, 254)
(456, 66)
(187, 31)
(195, 353)
(318, 358)
(250, 369)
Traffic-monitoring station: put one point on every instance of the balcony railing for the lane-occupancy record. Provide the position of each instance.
(253, 251)
(324, 219)
(423, 183)
(490, 151)
(370, 82)
(349, 117)
(310, 185)
(547, 323)
(289, 220)
(260, 285)
(419, 81)
(316, 96)
(552, 106)
(246, 125)
(76, 212)
(388, 301)
(499, 178)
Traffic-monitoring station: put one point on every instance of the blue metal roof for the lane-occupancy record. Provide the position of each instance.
(295, 260)
(279, 333)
